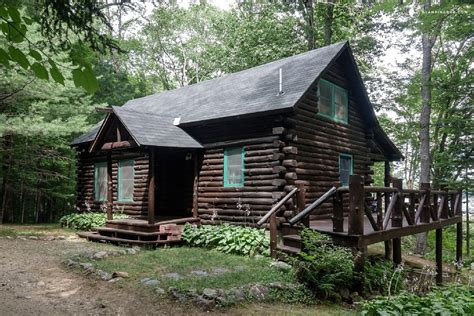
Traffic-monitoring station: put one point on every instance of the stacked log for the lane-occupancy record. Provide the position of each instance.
(85, 201)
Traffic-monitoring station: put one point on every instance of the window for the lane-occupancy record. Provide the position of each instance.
(234, 167)
(333, 101)
(345, 168)
(125, 180)
(100, 181)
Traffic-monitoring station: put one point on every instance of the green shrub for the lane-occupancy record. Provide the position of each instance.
(449, 300)
(382, 277)
(323, 267)
(86, 221)
(228, 238)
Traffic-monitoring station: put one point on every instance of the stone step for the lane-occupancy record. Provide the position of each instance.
(117, 232)
(288, 250)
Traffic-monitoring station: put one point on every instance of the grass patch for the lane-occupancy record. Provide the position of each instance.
(34, 230)
(183, 260)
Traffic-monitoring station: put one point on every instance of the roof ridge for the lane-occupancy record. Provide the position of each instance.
(243, 70)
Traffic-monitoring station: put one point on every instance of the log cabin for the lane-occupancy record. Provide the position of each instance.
(236, 148)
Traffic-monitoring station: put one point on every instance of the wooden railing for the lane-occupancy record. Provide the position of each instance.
(277, 206)
(402, 206)
(304, 213)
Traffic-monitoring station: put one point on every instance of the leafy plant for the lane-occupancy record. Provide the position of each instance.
(381, 277)
(449, 300)
(228, 239)
(323, 267)
(86, 221)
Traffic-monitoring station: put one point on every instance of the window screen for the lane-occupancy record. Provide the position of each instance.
(325, 99)
(345, 169)
(333, 101)
(125, 180)
(340, 104)
(100, 181)
(234, 167)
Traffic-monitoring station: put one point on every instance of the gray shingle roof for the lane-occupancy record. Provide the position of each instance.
(255, 90)
(245, 92)
(149, 129)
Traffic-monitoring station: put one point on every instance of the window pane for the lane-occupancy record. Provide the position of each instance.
(233, 173)
(126, 181)
(345, 169)
(325, 98)
(100, 181)
(340, 104)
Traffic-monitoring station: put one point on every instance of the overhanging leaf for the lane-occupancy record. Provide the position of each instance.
(40, 71)
(35, 54)
(4, 57)
(91, 83)
(14, 14)
(78, 77)
(18, 56)
(56, 75)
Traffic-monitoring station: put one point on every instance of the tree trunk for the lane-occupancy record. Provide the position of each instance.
(328, 19)
(425, 159)
(308, 14)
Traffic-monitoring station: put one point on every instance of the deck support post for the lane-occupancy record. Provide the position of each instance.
(110, 188)
(151, 187)
(458, 244)
(356, 205)
(359, 255)
(439, 256)
(273, 235)
(397, 213)
(386, 182)
(338, 212)
(397, 251)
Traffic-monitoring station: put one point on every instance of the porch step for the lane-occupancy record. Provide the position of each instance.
(292, 241)
(109, 230)
(288, 249)
(94, 236)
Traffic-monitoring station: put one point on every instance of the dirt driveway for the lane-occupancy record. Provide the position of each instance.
(34, 282)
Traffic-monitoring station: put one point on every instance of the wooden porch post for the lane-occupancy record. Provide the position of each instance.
(397, 221)
(439, 256)
(426, 210)
(338, 212)
(386, 182)
(195, 186)
(356, 205)
(458, 212)
(273, 235)
(301, 202)
(110, 188)
(151, 187)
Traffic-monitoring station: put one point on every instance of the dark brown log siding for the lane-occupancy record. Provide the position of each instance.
(264, 175)
(85, 184)
(320, 141)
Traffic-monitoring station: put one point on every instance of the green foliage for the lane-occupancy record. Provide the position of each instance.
(449, 300)
(323, 267)
(228, 239)
(86, 221)
(381, 277)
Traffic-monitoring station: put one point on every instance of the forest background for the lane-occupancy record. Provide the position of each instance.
(61, 61)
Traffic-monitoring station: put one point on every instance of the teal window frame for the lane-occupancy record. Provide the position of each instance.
(97, 196)
(351, 167)
(333, 87)
(226, 172)
(119, 180)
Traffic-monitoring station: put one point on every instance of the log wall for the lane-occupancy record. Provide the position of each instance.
(85, 184)
(264, 174)
(319, 141)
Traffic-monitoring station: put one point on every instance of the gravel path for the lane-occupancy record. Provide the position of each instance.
(34, 282)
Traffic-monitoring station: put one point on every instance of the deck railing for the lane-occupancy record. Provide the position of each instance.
(403, 207)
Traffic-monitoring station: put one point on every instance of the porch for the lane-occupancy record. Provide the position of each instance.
(356, 223)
